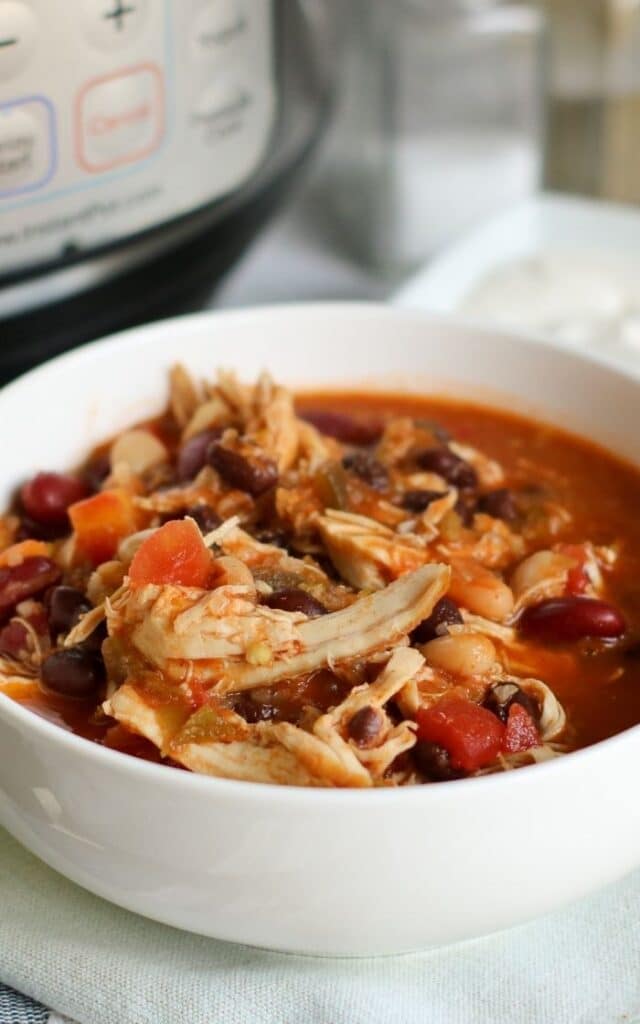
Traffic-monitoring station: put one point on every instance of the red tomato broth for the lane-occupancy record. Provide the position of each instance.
(601, 695)
(598, 686)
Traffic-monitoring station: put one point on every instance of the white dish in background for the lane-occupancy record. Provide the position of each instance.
(316, 871)
(556, 266)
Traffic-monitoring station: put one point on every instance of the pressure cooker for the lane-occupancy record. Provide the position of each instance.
(143, 144)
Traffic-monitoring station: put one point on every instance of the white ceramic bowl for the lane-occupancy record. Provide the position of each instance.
(315, 871)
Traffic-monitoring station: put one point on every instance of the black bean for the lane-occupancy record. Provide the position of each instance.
(277, 538)
(447, 464)
(294, 599)
(30, 530)
(96, 472)
(365, 726)
(418, 501)
(465, 506)
(445, 613)
(255, 475)
(434, 762)
(74, 672)
(500, 504)
(206, 518)
(254, 712)
(95, 640)
(66, 605)
(367, 468)
(192, 457)
(501, 696)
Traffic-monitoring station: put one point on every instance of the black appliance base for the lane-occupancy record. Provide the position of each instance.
(177, 281)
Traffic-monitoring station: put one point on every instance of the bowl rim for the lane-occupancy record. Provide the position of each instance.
(160, 774)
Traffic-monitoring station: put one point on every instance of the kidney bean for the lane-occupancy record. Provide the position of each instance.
(25, 580)
(445, 613)
(14, 639)
(568, 619)
(447, 464)
(434, 762)
(47, 497)
(192, 457)
(30, 530)
(66, 606)
(368, 469)
(344, 427)
(252, 475)
(365, 726)
(500, 504)
(502, 696)
(294, 599)
(205, 517)
(73, 672)
(418, 501)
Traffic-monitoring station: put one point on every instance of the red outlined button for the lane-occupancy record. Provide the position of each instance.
(119, 118)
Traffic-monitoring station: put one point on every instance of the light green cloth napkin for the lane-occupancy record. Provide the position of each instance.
(100, 965)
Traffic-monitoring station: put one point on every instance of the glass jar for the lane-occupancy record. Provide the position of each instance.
(594, 109)
(439, 126)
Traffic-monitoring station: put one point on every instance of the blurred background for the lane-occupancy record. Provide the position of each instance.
(454, 116)
(166, 156)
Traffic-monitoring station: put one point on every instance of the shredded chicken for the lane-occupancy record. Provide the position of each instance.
(331, 591)
(232, 642)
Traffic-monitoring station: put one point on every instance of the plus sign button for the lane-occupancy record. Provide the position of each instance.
(113, 24)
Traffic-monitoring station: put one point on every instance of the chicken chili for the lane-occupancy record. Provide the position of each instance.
(342, 590)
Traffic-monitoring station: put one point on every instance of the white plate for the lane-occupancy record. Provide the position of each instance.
(549, 223)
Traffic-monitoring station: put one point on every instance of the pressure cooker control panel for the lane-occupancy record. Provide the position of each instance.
(120, 115)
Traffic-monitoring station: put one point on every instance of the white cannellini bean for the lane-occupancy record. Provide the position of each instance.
(230, 571)
(541, 566)
(464, 654)
(139, 450)
(480, 591)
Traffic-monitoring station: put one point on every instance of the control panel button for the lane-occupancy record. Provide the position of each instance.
(18, 32)
(27, 146)
(120, 118)
(222, 109)
(219, 27)
(113, 24)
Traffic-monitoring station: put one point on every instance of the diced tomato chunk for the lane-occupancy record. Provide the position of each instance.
(101, 522)
(521, 732)
(176, 553)
(577, 581)
(472, 736)
(577, 577)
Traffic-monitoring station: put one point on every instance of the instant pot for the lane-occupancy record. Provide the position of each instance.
(143, 143)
